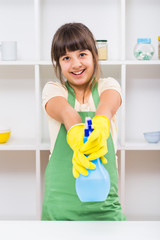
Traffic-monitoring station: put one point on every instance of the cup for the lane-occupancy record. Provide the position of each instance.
(8, 50)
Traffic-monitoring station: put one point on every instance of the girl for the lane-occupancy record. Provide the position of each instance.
(81, 93)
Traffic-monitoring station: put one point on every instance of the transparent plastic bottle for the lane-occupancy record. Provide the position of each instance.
(95, 186)
(102, 49)
(144, 49)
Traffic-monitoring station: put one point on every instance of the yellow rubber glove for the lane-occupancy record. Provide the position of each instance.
(80, 161)
(96, 145)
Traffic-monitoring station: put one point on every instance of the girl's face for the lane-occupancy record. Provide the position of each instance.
(77, 67)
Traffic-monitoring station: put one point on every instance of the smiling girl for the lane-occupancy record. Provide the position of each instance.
(79, 93)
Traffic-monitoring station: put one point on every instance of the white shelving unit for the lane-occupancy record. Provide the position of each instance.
(24, 157)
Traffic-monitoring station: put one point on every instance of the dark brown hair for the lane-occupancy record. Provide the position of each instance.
(72, 37)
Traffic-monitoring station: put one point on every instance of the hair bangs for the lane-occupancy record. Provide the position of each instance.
(71, 41)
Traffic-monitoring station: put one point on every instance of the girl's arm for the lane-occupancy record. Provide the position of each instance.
(59, 109)
(110, 101)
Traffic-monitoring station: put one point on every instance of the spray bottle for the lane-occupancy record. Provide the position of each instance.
(95, 186)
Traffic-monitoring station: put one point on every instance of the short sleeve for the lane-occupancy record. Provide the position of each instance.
(109, 83)
(53, 89)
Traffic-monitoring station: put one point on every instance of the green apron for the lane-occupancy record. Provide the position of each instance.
(60, 199)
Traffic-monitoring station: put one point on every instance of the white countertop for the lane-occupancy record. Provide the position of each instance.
(57, 230)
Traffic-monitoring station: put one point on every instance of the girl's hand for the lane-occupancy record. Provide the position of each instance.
(96, 145)
(80, 163)
(75, 140)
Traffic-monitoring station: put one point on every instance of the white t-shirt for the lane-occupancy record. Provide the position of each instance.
(54, 89)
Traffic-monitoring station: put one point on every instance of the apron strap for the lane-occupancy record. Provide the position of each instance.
(71, 95)
(95, 95)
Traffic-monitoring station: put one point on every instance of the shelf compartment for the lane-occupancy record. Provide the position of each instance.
(16, 24)
(17, 101)
(142, 185)
(145, 16)
(18, 185)
(142, 101)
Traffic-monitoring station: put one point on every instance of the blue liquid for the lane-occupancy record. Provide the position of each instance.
(95, 186)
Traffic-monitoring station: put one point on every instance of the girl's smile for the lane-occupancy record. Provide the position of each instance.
(79, 73)
(77, 67)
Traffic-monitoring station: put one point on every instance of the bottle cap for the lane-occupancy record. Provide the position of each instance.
(143, 40)
(101, 40)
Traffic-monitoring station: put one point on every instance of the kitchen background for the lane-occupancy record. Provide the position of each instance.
(23, 158)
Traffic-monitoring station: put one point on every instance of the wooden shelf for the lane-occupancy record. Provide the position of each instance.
(18, 144)
(103, 63)
(140, 145)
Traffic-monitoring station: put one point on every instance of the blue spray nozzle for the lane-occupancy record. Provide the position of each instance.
(89, 122)
(86, 133)
(88, 127)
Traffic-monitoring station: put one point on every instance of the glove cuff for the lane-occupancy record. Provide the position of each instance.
(101, 117)
(102, 121)
(78, 124)
(72, 132)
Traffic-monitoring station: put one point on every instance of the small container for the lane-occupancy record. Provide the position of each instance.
(159, 47)
(143, 49)
(102, 49)
(152, 137)
(5, 133)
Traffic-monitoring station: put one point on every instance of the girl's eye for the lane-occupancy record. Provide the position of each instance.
(66, 58)
(82, 54)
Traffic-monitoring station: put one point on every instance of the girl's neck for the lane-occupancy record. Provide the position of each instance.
(82, 93)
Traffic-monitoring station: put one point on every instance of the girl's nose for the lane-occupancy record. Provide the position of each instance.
(76, 63)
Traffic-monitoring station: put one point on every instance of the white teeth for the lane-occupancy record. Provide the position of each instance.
(77, 73)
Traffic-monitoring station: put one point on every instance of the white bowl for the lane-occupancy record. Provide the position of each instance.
(152, 137)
